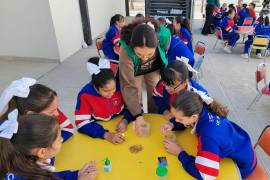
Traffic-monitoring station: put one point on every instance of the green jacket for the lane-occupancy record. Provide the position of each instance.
(164, 39)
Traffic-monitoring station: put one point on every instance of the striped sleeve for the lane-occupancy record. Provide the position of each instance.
(159, 99)
(206, 164)
(66, 126)
(116, 40)
(207, 159)
(84, 121)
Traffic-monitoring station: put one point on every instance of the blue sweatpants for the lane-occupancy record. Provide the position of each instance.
(232, 38)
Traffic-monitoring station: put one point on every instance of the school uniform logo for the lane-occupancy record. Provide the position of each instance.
(116, 101)
(9, 176)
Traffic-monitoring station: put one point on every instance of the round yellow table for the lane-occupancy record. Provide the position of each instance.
(79, 149)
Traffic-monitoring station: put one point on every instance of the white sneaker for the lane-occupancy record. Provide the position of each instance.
(259, 55)
(245, 55)
(227, 49)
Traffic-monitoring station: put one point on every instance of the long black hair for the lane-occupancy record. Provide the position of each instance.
(115, 18)
(184, 21)
(34, 131)
(101, 79)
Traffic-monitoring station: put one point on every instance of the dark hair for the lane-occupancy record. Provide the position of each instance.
(184, 21)
(252, 4)
(139, 15)
(39, 98)
(115, 18)
(102, 78)
(230, 11)
(175, 70)
(266, 21)
(245, 7)
(171, 28)
(34, 131)
(231, 6)
(190, 103)
(139, 34)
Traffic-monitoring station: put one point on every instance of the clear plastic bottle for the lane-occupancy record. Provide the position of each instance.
(161, 173)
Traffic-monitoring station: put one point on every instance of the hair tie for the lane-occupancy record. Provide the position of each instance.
(19, 88)
(95, 69)
(10, 126)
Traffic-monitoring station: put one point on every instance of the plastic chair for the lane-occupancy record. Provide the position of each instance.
(99, 41)
(260, 42)
(260, 75)
(199, 52)
(258, 174)
(263, 142)
(248, 21)
(264, 139)
(218, 34)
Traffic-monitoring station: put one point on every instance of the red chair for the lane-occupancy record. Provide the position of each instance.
(258, 174)
(199, 52)
(219, 36)
(260, 75)
(263, 142)
(99, 42)
(248, 21)
(264, 139)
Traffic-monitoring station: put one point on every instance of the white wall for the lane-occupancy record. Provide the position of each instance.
(100, 12)
(68, 27)
(26, 29)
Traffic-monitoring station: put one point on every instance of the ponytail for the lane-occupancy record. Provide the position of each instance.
(39, 98)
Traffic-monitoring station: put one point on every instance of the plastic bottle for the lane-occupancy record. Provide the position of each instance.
(107, 165)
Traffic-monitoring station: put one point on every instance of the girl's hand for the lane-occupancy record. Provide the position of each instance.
(115, 138)
(88, 172)
(138, 124)
(168, 115)
(172, 147)
(168, 126)
(122, 126)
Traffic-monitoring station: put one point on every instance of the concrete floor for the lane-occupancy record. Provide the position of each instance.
(228, 78)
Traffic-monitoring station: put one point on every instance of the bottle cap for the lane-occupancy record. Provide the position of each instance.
(107, 162)
(162, 171)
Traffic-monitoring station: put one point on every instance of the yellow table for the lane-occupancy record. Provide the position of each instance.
(141, 166)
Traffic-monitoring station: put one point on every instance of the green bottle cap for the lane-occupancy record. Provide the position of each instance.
(162, 171)
(107, 162)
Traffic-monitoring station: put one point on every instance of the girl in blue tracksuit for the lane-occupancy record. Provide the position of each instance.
(263, 28)
(228, 30)
(182, 27)
(28, 144)
(216, 16)
(244, 13)
(178, 48)
(218, 138)
(174, 80)
(110, 45)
